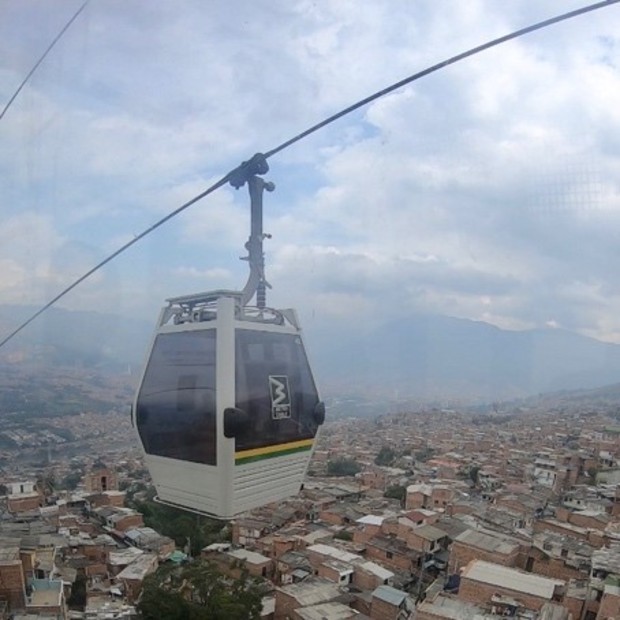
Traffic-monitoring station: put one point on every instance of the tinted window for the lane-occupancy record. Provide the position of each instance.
(275, 387)
(176, 403)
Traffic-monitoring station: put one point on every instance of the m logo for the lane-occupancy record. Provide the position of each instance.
(280, 397)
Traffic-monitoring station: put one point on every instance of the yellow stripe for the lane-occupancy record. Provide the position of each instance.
(302, 443)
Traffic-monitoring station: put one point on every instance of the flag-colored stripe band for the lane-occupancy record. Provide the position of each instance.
(268, 452)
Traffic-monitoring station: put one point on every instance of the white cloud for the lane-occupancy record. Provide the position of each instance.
(487, 190)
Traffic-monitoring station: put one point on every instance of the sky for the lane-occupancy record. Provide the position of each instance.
(489, 190)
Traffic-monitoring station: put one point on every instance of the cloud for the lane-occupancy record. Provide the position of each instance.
(488, 190)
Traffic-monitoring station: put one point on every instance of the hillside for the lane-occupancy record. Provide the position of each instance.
(422, 358)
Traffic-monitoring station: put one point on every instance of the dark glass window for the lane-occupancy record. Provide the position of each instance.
(275, 388)
(176, 403)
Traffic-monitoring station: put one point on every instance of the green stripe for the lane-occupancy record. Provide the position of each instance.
(260, 457)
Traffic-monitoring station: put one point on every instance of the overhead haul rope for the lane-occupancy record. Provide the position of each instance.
(45, 53)
(239, 175)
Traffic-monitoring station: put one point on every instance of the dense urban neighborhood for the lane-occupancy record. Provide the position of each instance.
(428, 514)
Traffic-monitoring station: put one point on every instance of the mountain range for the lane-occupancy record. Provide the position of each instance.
(425, 357)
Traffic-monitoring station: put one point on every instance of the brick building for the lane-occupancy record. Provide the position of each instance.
(475, 545)
(390, 604)
(484, 582)
(12, 583)
(23, 497)
(295, 596)
(100, 481)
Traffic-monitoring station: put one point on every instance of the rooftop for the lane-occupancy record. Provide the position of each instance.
(429, 532)
(251, 557)
(45, 593)
(334, 552)
(139, 569)
(607, 559)
(451, 609)
(333, 611)
(486, 542)
(313, 592)
(511, 579)
(390, 595)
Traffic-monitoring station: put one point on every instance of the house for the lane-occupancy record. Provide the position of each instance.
(23, 497)
(388, 603)
(100, 480)
(12, 582)
(46, 598)
(475, 545)
(307, 593)
(486, 583)
(134, 574)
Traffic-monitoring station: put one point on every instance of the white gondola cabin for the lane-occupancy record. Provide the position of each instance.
(227, 410)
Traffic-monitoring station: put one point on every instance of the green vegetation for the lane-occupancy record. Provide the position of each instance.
(474, 470)
(386, 456)
(343, 535)
(180, 525)
(396, 492)
(343, 467)
(424, 454)
(77, 598)
(71, 480)
(199, 591)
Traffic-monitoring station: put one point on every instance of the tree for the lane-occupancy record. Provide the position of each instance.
(396, 492)
(424, 454)
(473, 473)
(386, 456)
(71, 480)
(343, 467)
(180, 525)
(199, 591)
(77, 598)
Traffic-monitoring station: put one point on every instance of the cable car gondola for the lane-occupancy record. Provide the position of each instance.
(227, 409)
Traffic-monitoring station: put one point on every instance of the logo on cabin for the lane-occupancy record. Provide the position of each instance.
(280, 397)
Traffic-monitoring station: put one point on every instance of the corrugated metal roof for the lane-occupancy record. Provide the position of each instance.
(334, 552)
(377, 570)
(308, 593)
(486, 542)
(333, 611)
(371, 520)
(249, 556)
(511, 579)
(429, 532)
(451, 609)
(390, 595)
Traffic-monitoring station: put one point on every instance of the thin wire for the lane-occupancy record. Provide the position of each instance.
(105, 261)
(45, 53)
(300, 136)
(438, 66)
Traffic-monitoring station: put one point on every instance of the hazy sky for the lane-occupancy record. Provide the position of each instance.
(490, 190)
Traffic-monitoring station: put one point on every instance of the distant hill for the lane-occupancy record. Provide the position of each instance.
(438, 357)
(69, 338)
(422, 358)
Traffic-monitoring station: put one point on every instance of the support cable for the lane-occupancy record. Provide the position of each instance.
(45, 53)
